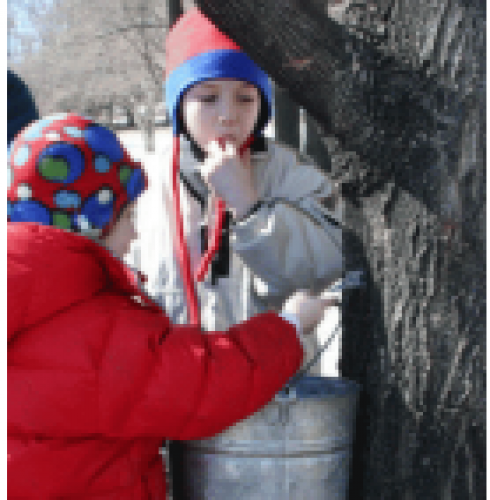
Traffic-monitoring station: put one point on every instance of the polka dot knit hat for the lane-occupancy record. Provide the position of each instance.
(196, 51)
(69, 172)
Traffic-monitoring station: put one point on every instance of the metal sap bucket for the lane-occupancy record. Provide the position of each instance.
(298, 447)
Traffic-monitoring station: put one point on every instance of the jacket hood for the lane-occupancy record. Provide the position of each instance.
(49, 270)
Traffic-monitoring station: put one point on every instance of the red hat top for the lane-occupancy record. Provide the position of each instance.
(192, 35)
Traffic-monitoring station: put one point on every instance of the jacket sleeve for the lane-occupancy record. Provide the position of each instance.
(175, 382)
(293, 238)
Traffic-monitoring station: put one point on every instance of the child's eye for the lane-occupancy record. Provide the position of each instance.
(208, 98)
(245, 98)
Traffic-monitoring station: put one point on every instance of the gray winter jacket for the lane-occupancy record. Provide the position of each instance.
(291, 241)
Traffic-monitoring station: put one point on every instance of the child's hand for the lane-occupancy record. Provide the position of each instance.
(307, 308)
(230, 176)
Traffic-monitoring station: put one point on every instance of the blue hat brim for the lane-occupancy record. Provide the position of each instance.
(212, 65)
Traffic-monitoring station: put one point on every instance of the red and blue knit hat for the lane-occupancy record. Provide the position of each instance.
(69, 172)
(196, 51)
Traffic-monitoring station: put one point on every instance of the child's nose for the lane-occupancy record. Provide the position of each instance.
(227, 111)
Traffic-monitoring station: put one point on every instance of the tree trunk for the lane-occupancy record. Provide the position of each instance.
(175, 10)
(398, 88)
(286, 118)
(129, 116)
(315, 147)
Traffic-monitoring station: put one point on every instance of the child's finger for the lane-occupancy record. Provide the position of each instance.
(230, 149)
(214, 147)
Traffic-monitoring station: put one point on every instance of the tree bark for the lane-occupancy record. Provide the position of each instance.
(286, 118)
(398, 88)
(315, 147)
(175, 10)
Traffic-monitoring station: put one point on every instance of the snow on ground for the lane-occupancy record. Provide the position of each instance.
(328, 363)
(134, 143)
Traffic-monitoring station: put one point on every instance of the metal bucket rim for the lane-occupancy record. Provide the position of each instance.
(326, 387)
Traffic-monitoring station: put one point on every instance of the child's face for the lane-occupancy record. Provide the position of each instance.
(122, 233)
(221, 109)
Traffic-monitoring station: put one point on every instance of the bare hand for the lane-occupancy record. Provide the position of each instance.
(229, 176)
(308, 309)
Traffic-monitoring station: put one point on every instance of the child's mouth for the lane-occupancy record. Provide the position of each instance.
(226, 138)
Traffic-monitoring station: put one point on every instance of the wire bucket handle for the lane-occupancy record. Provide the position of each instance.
(353, 279)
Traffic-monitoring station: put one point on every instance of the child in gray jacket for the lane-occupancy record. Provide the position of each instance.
(232, 223)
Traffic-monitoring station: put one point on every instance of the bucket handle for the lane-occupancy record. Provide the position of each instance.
(353, 279)
(301, 373)
(283, 400)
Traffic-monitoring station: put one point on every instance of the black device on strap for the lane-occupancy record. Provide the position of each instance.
(220, 264)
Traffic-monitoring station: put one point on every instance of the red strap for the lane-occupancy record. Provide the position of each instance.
(214, 239)
(181, 246)
(246, 145)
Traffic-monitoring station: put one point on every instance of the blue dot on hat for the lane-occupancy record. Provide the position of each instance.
(99, 208)
(104, 142)
(102, 164)
(29, 211)
(84, 225)
(61, 162)
(135, 185)
(35, 131)
(75, 132)
(10, 176)
(21, 155)
(67, 199)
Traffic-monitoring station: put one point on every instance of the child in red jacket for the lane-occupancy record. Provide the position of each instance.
(97, 375)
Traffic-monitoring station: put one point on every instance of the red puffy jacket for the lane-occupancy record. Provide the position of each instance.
(97, 378)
